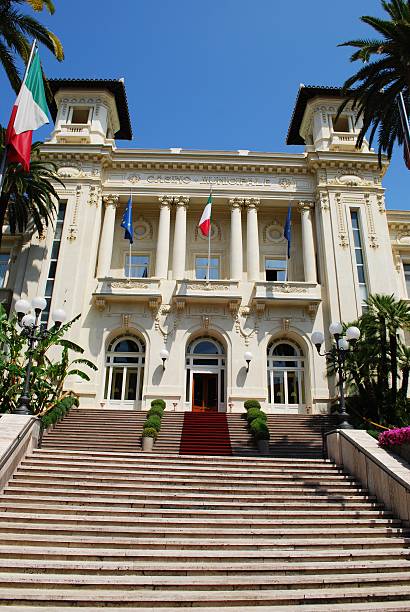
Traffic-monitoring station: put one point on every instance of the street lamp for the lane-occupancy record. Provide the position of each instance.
(34, 332)
(164, 356)
(338, 354)
(248, 358)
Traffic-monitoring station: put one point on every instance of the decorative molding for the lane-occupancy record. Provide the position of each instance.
(380, 202)
(236, 202)
(164, 311)
(125, 318)
(273, 232)
(239, 327)
(180, 200)
(128, 284)
(373, 241)
(251, 203)
(100, 303)
(286, 325)
(165, 201)
(72, 233)
(343, 238)
(287, 288)
(287, 183)
(305, 207)
(134, 178)
(207, 287)
(94, 195)
(323, 200)
(146, 226)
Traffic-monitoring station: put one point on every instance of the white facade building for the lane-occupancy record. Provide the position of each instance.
(256, 301)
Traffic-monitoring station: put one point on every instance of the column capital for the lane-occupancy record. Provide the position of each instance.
(111, 200)
(305, 206)
(252, 203)
(236, 203)
(165, 201)
(182, 201)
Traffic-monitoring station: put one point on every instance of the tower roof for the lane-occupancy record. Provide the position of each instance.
(116, 87)
(305, 94)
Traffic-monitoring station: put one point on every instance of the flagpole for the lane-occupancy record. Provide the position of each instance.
(130, 252)
(404, 122)
(209, 241)
(3, 162)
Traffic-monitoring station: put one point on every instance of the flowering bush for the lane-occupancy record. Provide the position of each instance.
(395, 437)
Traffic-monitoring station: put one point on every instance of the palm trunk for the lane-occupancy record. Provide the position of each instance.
(383, 377)
(405, 382)
(393, 358)
(4, 200)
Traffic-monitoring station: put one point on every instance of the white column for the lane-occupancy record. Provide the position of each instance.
(107, 236)
(162, 256)
(308, 244)
(179, 248)
(236, 269)
(252, 237)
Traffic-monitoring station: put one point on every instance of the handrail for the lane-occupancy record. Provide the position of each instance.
(390, 472)
(17, 441)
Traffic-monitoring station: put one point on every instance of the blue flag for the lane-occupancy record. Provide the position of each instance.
(287, 229)
(126, 222)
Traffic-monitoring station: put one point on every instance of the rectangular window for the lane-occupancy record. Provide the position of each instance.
(137, 267)
(4, 266)
(359, 259)
(201, 268)
(80, 114)
(275, 269)
(55, 250)
(341, 124)
(406, 268)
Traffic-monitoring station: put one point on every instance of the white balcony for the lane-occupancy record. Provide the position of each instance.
(342, 141)
(197, 291)
(127, 290)
(294, 293)
(73, 134)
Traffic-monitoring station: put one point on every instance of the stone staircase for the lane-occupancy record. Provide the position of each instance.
(99, 530)
(205, 434)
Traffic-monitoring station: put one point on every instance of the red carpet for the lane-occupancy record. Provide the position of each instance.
(205, 433)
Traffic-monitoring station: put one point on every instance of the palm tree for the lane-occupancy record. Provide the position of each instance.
(374, 87)
(29, 197)
(17, 30)
(404, 355)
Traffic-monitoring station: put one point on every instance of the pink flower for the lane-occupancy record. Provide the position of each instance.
(394, 437)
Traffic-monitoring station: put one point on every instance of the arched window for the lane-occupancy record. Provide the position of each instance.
(285, 374)
(124, 375)
(205, 375)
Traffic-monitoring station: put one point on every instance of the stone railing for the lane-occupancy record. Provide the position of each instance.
(123, 290)
(79, 133)
(342, 141)
(290, 290)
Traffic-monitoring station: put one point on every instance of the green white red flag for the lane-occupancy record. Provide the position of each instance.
(205, 221)
(29, 112)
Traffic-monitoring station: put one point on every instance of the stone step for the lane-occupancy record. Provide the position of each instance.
(171, 556)
(138, 597)
(209, 543)
(200, 582)
(197, 531)
(20, 518)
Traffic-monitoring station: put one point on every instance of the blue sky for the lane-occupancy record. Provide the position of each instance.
(216, 74)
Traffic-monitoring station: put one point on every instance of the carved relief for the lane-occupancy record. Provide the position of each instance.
(216, 232)
(128, 284)
(380, 202)
(273, 232)
(94, 195)
(134, 178)
(143, 229)
(373, 241)
(323, 200)
(343, 238)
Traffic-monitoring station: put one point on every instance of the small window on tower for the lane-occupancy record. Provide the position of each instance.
(80, 114)
(341, 124)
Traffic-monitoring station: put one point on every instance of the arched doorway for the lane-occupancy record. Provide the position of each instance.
(124, 371)
(205, 375)
(286, 384)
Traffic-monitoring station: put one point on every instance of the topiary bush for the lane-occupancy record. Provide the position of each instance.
(255, 413)
(149, 432)
(158, 402)
(259, 429)
(156, 411)
(252, 403)
(153, 421)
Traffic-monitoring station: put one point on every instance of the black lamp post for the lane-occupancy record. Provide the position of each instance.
(34, 332)
(338, 354)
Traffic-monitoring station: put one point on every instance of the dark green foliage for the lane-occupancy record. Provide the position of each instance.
(153, 421)
(374, 87)
(149, 432)
(259, 429)
(58, 411)
(251, 403)
(158, 402)
(255, 413)
(156, 410)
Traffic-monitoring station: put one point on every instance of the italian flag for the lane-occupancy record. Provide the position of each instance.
(29, 112)
(205, 221)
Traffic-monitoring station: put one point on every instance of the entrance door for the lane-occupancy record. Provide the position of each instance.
(204, 392)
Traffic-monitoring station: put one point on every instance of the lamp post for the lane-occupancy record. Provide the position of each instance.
(164, 356)
(338, 354)
(248, 358)
(34, 332)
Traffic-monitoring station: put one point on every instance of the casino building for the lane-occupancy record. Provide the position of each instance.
(151, 321)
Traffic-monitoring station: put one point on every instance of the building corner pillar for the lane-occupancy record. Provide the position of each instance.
(162, 254)
(308, 243)
(236, 254)
(252, 239)
(107, 236)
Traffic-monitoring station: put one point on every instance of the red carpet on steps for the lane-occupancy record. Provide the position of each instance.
(205, 433)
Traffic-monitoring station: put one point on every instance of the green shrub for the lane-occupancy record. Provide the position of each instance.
(156, 411)
(255, 413)
(153, 421)
(149, 432)
(252, 404)
(158, 402)
(259, 429)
